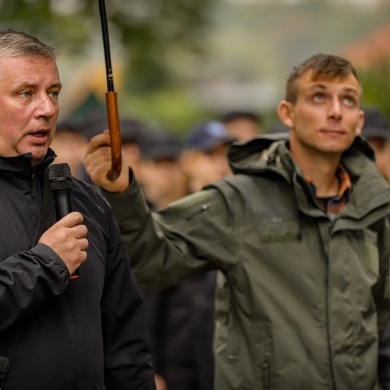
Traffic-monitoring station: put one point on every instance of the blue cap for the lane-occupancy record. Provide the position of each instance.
(208, 136)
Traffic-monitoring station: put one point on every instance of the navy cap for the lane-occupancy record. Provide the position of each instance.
(161, 146)
(208, 136)
(376, 124)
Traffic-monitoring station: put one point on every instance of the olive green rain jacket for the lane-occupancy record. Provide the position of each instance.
(302, 295)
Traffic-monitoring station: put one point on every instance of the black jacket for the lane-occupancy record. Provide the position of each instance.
(87, 333)
(181, 326)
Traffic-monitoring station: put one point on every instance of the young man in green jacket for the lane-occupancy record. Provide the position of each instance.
(299, 232)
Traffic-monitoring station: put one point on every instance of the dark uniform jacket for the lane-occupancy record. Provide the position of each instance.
(181, 326)
(87, 333)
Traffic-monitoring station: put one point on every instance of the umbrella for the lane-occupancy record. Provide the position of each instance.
(111, 101)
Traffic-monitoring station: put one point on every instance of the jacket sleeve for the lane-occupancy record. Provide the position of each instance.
(382, 298)
(27, 280)
(126, 353)
(192, 236)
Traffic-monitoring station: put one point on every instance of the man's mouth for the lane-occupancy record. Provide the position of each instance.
(39, 136)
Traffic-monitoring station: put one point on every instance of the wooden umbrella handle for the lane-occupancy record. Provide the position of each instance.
(115, 134)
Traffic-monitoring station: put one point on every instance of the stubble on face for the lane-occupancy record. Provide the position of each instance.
(29, 88)
(326, 117)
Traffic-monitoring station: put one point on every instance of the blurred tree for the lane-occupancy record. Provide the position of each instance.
(376, 86)
(146, 29)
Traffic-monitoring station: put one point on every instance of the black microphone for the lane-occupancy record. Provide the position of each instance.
(60, 179)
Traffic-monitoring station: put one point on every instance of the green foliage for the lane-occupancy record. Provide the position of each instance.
(171, 47)
(376, 86)
(145, 29)
(173, 107)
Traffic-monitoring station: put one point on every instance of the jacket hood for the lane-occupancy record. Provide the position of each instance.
(263, 153)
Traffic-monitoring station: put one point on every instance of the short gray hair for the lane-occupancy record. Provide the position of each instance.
(18, 44)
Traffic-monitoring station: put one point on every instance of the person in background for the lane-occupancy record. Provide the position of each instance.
(180, 317)
(204, 158)
(163, 178)
(133, 132)
(243, 125)
(376, 131)
(57, 331)
(300, 232)
(70, 144)
(277, 127)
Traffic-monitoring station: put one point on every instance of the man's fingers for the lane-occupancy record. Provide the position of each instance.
(81, 231)
(98, 141)
(72, 219)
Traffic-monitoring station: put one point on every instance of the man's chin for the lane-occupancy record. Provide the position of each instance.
(38, 157)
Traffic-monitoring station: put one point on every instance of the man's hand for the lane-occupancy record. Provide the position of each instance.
(97, 162)
(160, 382)
(68, 238)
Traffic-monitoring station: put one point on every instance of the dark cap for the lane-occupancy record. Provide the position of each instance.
(131, 130)
(208, 136)
(161, 146)
(234, 115)
(69, 125)
(376, 124)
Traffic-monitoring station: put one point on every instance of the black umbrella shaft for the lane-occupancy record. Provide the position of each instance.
(106, 44)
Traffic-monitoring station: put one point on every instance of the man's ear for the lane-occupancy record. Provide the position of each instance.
(359, 127)
(285, 113)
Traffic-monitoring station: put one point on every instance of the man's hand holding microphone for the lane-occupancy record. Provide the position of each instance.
(68, 236)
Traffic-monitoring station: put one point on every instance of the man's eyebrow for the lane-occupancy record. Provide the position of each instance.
(323, 87)
(351, 90)
(33, 85)
(56, 85)
(316, 86)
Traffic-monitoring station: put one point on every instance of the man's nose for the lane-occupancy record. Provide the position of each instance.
(46, 106)
(335, 108)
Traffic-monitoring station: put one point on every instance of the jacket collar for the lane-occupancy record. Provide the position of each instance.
(21, 165)
(270, 154)
(262, 152)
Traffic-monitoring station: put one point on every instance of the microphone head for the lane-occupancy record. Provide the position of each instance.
(60, 177)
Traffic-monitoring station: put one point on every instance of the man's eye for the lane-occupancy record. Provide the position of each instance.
(318, 97)
(349, 101)
(54, 94)
(25, 93)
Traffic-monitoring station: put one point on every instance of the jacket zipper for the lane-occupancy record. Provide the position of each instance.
(33, 181)
(266, 374)
(327, 311)
(75, 349)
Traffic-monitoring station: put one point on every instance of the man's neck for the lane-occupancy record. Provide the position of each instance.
(326, 182)
(321, 169)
